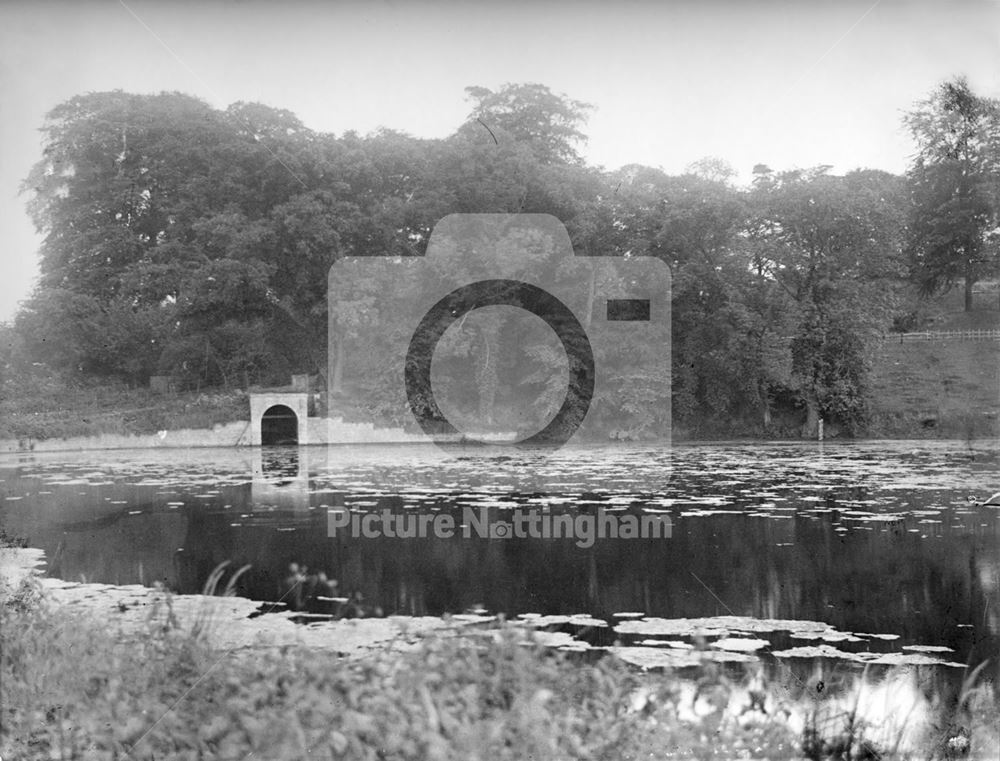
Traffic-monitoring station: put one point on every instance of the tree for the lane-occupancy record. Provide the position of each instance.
(78, 333)
(693, 223)
(831, 245)
(548, 123)
(186, 240)
(955, 198)
(167, 219)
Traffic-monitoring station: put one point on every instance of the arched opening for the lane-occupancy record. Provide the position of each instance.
(279, 425)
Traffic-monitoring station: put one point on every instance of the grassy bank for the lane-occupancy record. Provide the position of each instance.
(47, 409)
(937, 389)
(943, 388)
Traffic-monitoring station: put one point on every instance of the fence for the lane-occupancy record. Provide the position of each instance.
(945, 335)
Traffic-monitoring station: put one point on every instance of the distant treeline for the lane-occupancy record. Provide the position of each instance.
(192, 242)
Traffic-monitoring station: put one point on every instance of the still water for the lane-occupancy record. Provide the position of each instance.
(872, 538)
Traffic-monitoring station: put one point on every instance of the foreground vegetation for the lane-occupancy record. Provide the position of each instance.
(71, 687)
(71, 692)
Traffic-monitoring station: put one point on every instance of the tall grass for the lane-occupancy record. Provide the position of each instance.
(72, 689)
(74, 686)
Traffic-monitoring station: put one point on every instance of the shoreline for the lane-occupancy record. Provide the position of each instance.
(234, 436)
(228, 622)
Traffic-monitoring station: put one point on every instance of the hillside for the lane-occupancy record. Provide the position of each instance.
(941, 387)
(49, 410)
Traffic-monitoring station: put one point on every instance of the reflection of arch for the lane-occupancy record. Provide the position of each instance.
(280, 479)
(279, 425)
(279, 465)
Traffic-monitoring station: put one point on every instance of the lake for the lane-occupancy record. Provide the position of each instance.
(874, 540)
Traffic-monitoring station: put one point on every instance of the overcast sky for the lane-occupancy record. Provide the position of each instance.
(786, 84)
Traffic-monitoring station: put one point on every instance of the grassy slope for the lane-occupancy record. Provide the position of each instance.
(45, 411)
(941, 387)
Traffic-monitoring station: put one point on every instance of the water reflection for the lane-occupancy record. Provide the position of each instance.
(871, 538)
(280, 478)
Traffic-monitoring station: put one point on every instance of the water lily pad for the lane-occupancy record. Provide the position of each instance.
(913, 659)
(577, 619)
(472, 618)
(554, 639)
(928, 649)
(880, 636)
(667, 643)
(829, 635)
(741, 644)
(716, 626)
(819, 651)
(667, 657)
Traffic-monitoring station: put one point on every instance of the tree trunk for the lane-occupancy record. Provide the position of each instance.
(811, 427)
(336, 383)
(764, 404)
(487, 375)
(591, 290)
(969, 282)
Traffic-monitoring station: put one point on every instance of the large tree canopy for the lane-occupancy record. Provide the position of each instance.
(211, 225)
(550, 125)
(955, 187)
(194, 242)
(831, 246)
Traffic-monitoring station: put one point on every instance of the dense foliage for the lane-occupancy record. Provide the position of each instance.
(955, 188)
(192, 242)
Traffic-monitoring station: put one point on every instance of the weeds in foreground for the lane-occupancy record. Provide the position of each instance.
(72, 687)
(204, 621)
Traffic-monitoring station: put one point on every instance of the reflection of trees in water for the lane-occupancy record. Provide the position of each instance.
(883, 581)
(983, 610)
(106, 532)
(887, 580)
(292, 566)
(302, 587)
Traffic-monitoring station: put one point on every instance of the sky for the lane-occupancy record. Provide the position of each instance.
(787, 84)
